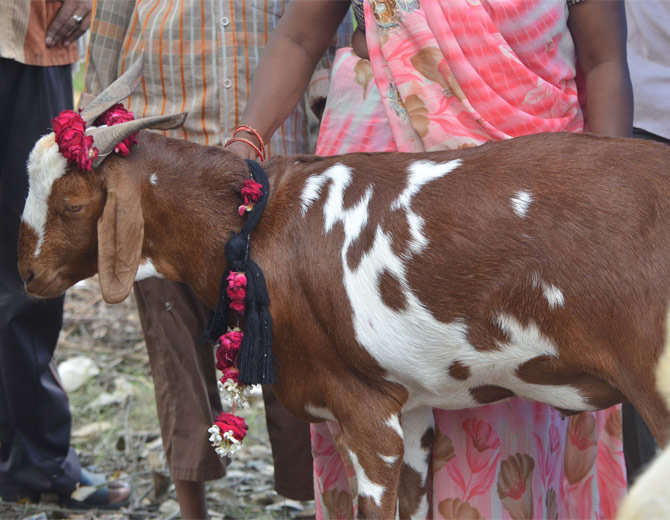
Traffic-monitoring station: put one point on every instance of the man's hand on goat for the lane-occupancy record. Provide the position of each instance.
(71, 21)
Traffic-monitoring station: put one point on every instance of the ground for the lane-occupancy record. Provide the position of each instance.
(115, 428)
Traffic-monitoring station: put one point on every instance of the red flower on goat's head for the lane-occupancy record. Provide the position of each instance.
(73, 143)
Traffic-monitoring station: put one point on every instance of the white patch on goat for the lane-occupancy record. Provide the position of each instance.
(553, 294)
(147, 270)
(319, 412)
(45, 166)
(153, 178)
(394, 423)
(389, 460)
(420, 173)
(412, 337)
(366, 487)
(520, 202)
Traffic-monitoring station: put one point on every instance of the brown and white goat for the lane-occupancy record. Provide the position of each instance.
(536, 267)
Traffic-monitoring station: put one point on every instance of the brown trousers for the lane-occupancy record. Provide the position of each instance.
(173, 319)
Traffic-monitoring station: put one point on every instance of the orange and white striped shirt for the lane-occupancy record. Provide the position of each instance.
(199, 57)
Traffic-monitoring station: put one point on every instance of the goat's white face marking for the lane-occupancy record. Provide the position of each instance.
(412, 336)
(153, 178)
(366, 487)
(45, 166)
(147, 270)
(521, 202)
(319, 412)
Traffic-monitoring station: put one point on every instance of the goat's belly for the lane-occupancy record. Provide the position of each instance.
(440, 368)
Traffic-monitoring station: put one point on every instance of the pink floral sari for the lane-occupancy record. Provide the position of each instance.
(428, 86)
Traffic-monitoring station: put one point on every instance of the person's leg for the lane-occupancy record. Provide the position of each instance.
(34, 412)
(184, 377)
(291, 450)
(639, 446)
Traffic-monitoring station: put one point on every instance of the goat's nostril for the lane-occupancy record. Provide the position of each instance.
(29, 275)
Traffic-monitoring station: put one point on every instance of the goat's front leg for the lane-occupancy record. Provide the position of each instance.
(374, 445)
(418, 427)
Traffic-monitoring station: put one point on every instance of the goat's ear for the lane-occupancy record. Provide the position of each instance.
(120, 237)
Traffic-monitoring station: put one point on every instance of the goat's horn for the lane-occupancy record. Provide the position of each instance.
(106, 138)
(119, 90)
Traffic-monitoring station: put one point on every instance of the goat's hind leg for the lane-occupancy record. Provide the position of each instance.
(418, 428)
(374, 445)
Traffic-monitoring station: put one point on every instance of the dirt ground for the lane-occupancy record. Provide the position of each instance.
(115, 428)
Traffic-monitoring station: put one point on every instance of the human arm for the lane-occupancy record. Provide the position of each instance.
(290, 56)
(598, 28)
(64, 28)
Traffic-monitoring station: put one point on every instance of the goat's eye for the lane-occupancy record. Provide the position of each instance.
(73, 208)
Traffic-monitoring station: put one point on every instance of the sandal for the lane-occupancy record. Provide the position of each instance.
(109, 495)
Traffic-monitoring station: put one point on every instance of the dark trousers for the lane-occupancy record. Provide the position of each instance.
(35, 419)
(639, 446)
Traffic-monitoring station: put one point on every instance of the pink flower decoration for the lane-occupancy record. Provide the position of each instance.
(229, 346)
(230, 373)
(237, 290)
(482, 443)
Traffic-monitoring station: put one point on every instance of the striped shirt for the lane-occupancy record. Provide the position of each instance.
(23, 28)
(199, 57)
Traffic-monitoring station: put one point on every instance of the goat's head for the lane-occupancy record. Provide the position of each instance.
(73, 224)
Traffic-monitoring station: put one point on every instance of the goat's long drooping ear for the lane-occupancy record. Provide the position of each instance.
(119, 90)
(120, 237)
(106, 138)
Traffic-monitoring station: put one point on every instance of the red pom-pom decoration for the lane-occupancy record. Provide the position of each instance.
(73, 143)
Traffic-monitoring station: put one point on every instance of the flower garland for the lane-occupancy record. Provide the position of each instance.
(229, 430)
(73, 143)
(78, 148)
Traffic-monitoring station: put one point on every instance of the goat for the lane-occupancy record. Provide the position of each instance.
(534, 267)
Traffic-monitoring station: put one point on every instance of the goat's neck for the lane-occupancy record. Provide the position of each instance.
(190, 196)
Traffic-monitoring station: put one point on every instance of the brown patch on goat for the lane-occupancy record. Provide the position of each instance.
(548, 370)
(391, 292)
(490, 393)
(411, 490)
(459, 371)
